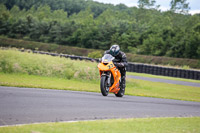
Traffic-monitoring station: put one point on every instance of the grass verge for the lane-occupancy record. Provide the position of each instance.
(13, 61)
(138, 125)
(134, 87)
(162, 90)
(34, 81)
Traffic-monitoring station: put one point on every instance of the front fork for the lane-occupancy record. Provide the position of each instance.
(108, 79)
(108, 75)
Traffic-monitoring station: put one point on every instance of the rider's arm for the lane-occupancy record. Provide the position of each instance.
(124, 60)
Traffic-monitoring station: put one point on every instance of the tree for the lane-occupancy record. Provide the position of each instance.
(4, 17)
(179, 6)
(146, 3)
(90, 24)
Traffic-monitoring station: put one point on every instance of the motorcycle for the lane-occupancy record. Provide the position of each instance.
(110, 76)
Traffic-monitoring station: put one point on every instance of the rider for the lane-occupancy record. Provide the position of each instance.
(120, 62)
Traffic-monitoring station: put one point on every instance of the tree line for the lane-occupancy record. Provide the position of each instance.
(140, 30)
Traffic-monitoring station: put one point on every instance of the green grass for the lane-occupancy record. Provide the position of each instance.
(134, 87)
(138, 125)
(162, 90)
(34, 81)
(13, 61)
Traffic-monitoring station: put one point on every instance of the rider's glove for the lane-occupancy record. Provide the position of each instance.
(120, 64)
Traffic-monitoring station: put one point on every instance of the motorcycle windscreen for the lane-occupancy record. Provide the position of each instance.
(107, 58)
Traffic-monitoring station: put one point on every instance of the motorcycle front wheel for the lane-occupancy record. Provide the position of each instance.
(103, 85)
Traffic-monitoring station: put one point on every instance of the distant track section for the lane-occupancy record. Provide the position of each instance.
(165, 81)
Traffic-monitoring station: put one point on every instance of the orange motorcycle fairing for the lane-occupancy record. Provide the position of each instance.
(109, 66)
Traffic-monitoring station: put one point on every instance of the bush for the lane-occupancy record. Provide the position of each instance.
(8, 42)
(6, 66)
(95, 54)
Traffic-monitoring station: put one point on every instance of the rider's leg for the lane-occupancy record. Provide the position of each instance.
(123, 77)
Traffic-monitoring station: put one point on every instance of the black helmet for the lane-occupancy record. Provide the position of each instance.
(114, 50)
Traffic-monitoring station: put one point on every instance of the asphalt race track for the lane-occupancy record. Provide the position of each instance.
(31, 105)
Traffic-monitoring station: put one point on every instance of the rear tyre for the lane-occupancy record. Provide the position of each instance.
(103, 85)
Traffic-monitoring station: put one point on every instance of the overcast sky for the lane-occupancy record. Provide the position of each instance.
(164, 4)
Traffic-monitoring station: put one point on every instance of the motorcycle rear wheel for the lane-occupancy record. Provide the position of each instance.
(103, 86)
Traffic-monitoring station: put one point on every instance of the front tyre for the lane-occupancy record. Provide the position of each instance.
(104, 86)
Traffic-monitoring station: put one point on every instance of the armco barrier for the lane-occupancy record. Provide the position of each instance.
(163, 71)
(139, 67)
